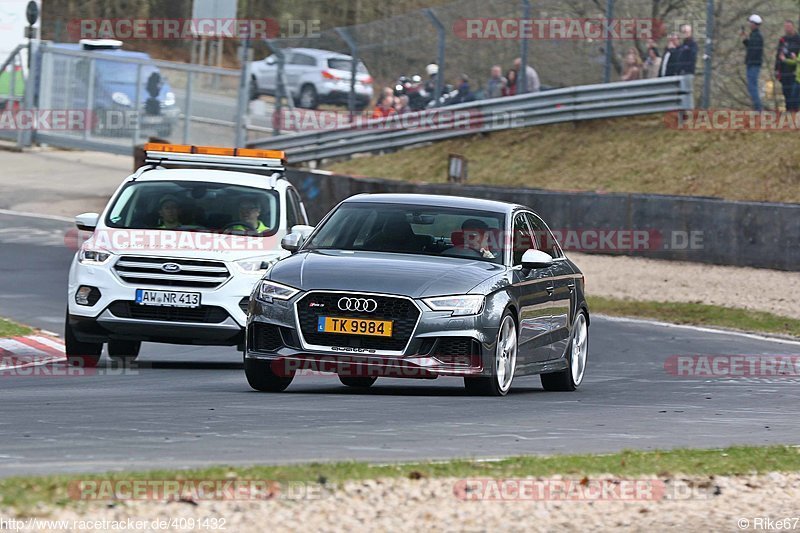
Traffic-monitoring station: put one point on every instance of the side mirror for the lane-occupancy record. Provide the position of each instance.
(87, 221)
(294, 240)
(271, 60)
(536, 259)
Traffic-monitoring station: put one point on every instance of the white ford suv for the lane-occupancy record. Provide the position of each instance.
(174, 256)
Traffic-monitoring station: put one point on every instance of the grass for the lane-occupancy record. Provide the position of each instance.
(11, 329)
(622, 155)
(698, 314)
(23, 494)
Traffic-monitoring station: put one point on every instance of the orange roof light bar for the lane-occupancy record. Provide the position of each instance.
(214, 150)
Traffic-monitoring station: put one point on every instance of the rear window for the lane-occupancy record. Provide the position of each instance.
(346, 64)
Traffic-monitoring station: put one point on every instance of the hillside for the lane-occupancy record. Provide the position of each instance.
(623, 155)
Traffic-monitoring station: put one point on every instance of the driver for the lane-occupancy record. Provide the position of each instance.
(168, 213)
(475, 232)
(249, 213)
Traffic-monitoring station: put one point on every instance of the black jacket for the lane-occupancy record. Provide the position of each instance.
(788, 44)
(754, 56)
(668, 62)
(686, 57)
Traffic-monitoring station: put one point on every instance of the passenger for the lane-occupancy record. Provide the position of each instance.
(168, 213)
(249, 213)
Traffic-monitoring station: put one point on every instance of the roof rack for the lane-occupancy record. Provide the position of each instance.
(185, 155)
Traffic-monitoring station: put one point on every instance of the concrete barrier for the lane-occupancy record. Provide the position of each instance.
(687, 228)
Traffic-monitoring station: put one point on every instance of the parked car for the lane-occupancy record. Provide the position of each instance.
(175, 254)
(313, 77)
(115, 88)
(421, 286)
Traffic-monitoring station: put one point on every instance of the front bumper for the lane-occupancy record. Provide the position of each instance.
(428, 353)
(107, 318)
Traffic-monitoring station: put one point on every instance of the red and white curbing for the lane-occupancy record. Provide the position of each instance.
(30, 350)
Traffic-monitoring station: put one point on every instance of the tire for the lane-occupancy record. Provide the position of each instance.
(81, 354)
(308, 97)
(357, 382)
(261, 377)
(571, 377)
(505, 362)
(124, 351)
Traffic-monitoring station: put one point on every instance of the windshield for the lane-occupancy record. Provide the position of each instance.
(413, 229)
(118, 72)
(195, 206)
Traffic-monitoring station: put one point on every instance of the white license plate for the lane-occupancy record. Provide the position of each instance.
(167, 298)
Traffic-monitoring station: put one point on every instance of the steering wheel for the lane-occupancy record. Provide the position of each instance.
(229, 226)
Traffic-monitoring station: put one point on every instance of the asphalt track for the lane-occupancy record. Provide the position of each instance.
(191, 406)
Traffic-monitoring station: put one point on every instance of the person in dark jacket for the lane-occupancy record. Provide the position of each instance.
(686, 53)
(754, 57)
(787, 45)
(670, 59)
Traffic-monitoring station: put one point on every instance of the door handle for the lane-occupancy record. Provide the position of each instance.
(550, 289)
(571, 286)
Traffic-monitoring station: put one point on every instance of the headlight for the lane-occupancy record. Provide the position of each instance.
(256, 265)
(87, 256)
(269, 290)
(121, 99)
(468, 304)
(169, 99)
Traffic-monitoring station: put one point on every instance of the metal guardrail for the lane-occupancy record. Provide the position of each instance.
(570, 104)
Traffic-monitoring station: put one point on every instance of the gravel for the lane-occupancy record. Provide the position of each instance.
(693, 503)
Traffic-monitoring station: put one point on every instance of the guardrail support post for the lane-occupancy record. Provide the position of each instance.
(522, 78)
(607, 34)
(353, 46)
(708, 63)
(442, 40)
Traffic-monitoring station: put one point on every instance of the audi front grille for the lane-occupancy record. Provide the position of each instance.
(401, 311)
(180, 272)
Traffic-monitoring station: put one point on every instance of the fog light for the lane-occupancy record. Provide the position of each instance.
(87, 295)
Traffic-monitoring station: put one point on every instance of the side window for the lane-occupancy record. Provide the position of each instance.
(292, 218)
(300, 213)
(303, 59)
(523, 238)
(544, 237)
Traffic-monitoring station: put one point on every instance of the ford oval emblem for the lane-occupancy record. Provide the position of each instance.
(171, 267)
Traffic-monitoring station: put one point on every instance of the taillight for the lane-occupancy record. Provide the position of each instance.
(368, 80)
(328, 76)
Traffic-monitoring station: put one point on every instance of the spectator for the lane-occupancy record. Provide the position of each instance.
(532, 84)
(385, 106)
(496, 83)
(686, 53)
(754, 57)
(788, 45)
(401, 104)
(670, 59)
(432, 71)
(511, 83)
(464, 92)
(632, 66)
(652, 64)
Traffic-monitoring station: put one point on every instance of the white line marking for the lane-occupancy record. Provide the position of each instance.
(48, 342)
(700, 328)
(36, 215)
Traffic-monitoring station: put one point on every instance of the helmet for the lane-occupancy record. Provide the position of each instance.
(432, 69)
(755, 19)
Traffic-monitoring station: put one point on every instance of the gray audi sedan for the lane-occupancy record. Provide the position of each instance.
(420, 286)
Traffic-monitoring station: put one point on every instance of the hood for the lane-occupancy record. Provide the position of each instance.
(416, 276)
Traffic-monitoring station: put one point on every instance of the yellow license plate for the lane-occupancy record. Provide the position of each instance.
(354, 326)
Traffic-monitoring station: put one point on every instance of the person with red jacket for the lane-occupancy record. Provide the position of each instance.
(385, 107)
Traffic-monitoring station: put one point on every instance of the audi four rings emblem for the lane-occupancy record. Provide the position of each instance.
(365, 305)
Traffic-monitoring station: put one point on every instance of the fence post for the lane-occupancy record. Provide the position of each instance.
(607, 35)
(353, 46)
(708, 62)
(522, 77)
(90, 102)
(280, 86)
(31, 87)
(244, 84)
(187, 112)
(442, 40)
(137, 97)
